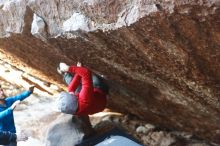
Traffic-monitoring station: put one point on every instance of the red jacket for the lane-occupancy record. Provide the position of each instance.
(90, 100)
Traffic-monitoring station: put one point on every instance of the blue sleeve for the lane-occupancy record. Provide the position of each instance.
(5, 113)
(7, 137)
(10, 100)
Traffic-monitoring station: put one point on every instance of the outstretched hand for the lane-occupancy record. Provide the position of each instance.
(15, 104)
(31, 88)
(22, 137)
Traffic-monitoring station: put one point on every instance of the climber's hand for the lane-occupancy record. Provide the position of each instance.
(15, 104)
(31, 88)
(63, 67)
(22, 137)
(79, 64)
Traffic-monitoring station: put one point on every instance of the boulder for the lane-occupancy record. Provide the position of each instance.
(160, 58)
(68, 130)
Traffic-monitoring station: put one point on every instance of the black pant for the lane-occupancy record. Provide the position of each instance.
(12, 144)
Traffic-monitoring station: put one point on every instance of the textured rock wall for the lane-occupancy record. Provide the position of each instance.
(161, 58)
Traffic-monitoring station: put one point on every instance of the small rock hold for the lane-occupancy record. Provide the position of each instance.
(142, 129)
(107, 118)
(149, 126)
(159, 7)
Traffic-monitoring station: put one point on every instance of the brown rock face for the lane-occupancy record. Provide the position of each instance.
(164, 67)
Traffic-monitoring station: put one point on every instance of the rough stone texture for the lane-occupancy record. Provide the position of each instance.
(67, 130)
(160, 58)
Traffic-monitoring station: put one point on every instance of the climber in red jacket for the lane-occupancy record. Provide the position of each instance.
(88, 101)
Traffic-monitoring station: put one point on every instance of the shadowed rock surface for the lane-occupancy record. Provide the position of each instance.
(161, 59)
